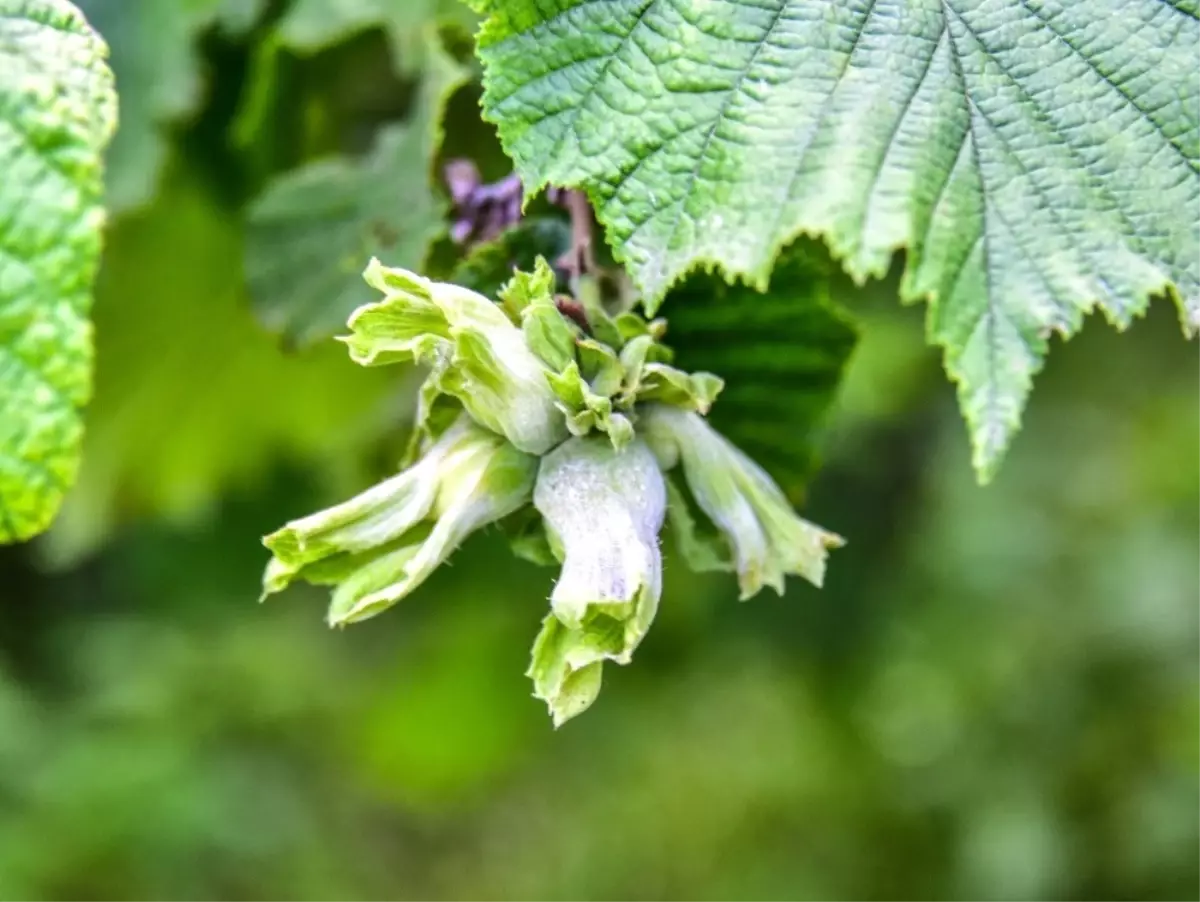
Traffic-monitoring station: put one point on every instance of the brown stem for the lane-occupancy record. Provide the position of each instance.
(579, 260)
(573, 310)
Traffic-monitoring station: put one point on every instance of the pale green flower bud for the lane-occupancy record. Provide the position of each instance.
(603, 509)
(477, 354)
(379, 546)
(766, 536)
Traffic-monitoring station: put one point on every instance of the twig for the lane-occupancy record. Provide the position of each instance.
(580, 259)
(573, 310)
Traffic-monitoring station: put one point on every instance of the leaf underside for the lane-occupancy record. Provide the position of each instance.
(57, 112)
(1036, 159)
(782, 356)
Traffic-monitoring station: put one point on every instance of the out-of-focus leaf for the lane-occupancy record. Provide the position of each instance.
(192, 397)
(57, 112)
(312, 25)
(781, 355)
(238, 16)
(313, 231)
(159, 79)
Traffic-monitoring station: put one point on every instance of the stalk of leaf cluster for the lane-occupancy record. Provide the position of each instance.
(603, 508)
(767, 537)
(478, 356)
(376, 548)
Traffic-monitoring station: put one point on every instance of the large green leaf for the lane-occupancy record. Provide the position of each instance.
(313, 231)
(1035, 158)
(158, 77)
(57, 112)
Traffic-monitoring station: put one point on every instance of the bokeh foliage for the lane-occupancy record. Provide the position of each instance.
(994, 696)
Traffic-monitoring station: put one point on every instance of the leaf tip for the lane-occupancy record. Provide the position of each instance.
(986, 460)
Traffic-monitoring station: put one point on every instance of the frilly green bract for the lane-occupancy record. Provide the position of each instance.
(767, 538)
(476, 353)
(379, 546)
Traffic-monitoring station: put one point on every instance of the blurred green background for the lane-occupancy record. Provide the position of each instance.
(995, 696)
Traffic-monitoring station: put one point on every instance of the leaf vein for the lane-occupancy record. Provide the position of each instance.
(1107, 79)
